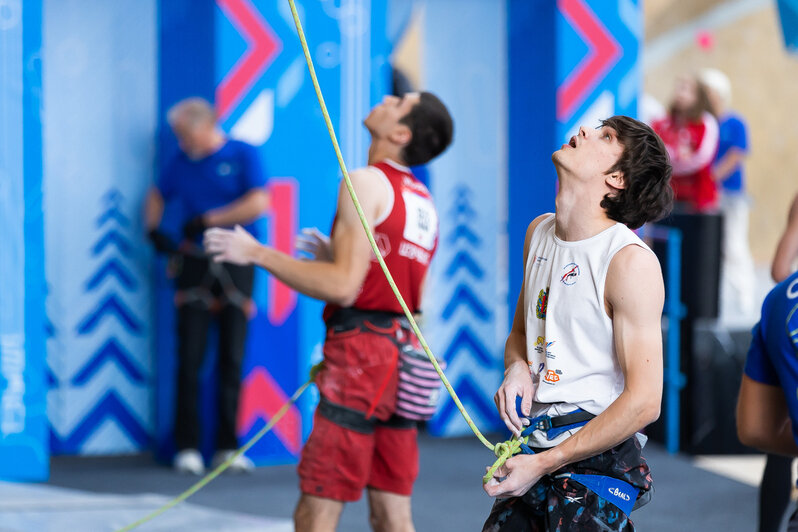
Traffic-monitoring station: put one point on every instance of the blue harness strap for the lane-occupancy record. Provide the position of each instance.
(620, 493)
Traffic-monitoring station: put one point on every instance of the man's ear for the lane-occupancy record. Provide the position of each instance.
(615, 180)
(401, 135)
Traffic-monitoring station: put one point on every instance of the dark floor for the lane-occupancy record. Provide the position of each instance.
(448, 493)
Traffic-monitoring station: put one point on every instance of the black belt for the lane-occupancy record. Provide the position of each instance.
(354, 420)
(350, 318)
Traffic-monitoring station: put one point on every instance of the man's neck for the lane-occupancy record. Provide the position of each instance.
(579, 216)
(380, 151)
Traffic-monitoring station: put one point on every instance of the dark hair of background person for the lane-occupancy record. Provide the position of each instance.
(432, 128)
(702, 105)
(647, 195)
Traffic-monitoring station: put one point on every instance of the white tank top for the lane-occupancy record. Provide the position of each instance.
(569, 336)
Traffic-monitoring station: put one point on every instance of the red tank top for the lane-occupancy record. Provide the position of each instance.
(407, 238)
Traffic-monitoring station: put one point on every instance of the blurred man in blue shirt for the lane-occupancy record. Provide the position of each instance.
(219, 182)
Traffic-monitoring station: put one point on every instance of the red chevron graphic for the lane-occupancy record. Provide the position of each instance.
(602, 55)
(261, 398)
(262, 47)
(282, 229)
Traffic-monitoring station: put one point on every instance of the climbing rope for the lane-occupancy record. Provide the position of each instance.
(224, 465)
(503, 450)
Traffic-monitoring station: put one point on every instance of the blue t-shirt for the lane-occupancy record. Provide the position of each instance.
(733, 134)
(772, 356)
(214, 181)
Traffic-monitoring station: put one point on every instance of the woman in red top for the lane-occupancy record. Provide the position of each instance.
(690, 134)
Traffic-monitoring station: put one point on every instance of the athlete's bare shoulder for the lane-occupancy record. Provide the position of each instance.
(634, 273)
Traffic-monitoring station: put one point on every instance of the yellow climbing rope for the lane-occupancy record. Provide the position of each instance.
(224, 465)
(503, 450)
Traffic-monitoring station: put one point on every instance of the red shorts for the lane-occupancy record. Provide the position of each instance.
(338, 463)
(360, 372)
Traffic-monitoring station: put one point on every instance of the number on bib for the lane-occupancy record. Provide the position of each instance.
(421, 220)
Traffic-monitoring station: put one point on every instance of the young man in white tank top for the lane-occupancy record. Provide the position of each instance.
(585, 349)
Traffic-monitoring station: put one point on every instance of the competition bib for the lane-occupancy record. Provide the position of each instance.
(421, 220)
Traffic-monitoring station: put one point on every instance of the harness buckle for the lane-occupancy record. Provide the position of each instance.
(544, 423)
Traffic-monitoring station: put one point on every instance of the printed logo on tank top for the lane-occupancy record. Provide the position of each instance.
(552, 376)
(537, 260)
(570, 275)
(543, 301)
(383, 244)
(542, 346)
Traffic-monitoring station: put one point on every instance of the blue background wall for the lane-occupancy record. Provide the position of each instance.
(465, 316)
(99, 122)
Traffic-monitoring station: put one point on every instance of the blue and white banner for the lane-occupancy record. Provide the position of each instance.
(24, 445)
(100, 89)
(465, 315)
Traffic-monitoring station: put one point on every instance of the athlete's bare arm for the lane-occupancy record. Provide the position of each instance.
(517, 379)
(763, 421)
(635, 293)
(336, 281)
(787, 250)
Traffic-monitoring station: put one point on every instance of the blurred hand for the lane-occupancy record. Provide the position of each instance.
(316, 244)
(516, 476)
(236, 246)
(194, 227)
(517, 383)
(161, 242)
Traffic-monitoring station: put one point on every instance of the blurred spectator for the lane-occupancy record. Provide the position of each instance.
(690, 133)
(738, 265)
(220, 183)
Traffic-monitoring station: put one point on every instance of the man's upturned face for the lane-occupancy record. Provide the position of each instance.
(590, 153)
(384, 118)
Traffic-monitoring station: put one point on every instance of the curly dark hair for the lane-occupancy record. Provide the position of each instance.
(432, 128)
(646, 169)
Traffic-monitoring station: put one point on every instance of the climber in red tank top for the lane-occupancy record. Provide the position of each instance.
(407, 236)
(361, 438)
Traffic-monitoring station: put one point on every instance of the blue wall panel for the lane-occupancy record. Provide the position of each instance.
(24, 445)
(99, 127)
(465, 317)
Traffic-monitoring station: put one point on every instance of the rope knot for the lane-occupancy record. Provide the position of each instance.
(503, 451)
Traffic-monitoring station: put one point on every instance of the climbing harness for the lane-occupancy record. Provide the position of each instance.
(215, 289)
(618, 492)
